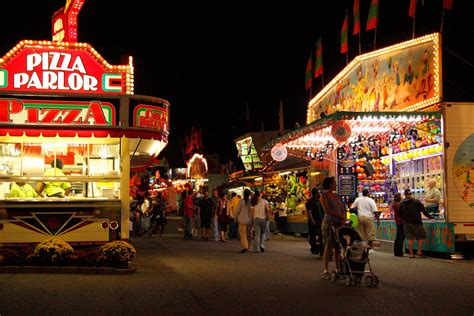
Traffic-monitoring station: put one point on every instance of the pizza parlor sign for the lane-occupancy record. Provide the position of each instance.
(79, 69)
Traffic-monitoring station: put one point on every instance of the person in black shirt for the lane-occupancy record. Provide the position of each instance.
(410, 211)
(205, 213)
(315, 217)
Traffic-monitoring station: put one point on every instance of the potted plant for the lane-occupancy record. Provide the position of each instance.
(52, 252)
(117, 254)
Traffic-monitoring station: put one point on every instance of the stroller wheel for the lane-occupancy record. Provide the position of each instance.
(369, 281)
(375, 281)
(359, 278)
(347, 280)
(353, 280)
(333, 277)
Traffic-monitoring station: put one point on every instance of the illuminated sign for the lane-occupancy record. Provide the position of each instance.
(64, 28)
(248, 154)
(38, 112)
(149, 116)
(403, 77)
(78, 68)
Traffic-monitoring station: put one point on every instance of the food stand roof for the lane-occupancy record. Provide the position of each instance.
(318, 132)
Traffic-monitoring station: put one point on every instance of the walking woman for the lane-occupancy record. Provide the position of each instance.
(334, 216)
(223, 216)
(260, 213)
(400, 238)
(243, 214)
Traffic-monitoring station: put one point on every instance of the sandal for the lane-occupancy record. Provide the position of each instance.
(326, 275)
(412, 256)
(421, 256)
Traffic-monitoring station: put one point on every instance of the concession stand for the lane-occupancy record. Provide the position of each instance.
(62, 100)
(381, 125)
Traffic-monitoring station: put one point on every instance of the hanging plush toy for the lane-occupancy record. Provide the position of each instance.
(292, 185)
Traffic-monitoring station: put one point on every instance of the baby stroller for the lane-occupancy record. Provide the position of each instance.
(353, 258)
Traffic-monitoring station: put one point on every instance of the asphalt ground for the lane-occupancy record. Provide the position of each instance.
(178, 277)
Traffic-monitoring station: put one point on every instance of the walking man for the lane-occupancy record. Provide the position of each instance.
(214, 224)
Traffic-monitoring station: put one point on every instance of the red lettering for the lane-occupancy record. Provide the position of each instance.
(95, 112)
(71, 116)
(50, 115)
(8, 107)
(32, 114)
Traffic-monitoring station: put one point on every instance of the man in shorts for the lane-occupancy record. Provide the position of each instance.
(410, 211)
(366, 208)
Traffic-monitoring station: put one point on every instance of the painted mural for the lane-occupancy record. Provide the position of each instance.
(390, 81)
(463, 169)
(439, 235)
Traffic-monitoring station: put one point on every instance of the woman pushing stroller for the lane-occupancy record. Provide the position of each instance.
(334, 217)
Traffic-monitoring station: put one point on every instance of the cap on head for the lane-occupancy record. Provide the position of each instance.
(407, 191)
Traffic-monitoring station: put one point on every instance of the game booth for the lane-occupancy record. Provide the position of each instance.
(381, 125)
(70, 131)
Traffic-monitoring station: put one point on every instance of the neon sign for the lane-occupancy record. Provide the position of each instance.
(57, 112)
(77, 68)
(149, 116)
(64, 26)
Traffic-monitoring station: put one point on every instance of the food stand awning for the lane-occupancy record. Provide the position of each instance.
(53, 131)
(321, 134)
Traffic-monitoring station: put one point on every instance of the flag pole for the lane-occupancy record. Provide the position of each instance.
(375, 37)
(442, 22)
(414, 22)
(360, 46)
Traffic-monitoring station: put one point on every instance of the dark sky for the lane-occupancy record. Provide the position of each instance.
(209, 59)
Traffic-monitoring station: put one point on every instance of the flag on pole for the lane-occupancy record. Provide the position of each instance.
(318, 68)
(448, 4)
(373, 18)
(280, 114)
(309, 72)
(356, 17)
(344, 29)
(412, 8)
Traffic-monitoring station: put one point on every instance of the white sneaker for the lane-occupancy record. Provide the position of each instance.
(371, 251)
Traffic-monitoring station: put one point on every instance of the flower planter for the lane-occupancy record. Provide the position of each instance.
(65, 270)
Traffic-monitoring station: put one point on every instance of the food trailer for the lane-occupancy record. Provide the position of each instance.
(61, 100)
(382, 125)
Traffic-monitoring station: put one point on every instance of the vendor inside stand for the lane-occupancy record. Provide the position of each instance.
(54, 189)
(21, 189)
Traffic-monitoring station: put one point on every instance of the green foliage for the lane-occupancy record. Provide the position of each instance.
(117, 253)
(52, 252)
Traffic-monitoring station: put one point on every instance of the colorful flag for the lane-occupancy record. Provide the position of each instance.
(356, 17)
(344, 28)
(448, 4)
(318, 68)
(309, 72)
(373, 17)
(412, 8)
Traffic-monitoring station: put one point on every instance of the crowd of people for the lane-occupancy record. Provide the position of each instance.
(220, 217)
(147, 209)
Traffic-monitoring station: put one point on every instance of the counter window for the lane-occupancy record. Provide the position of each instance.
(58, 169)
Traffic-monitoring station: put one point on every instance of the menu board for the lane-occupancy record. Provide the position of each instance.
(347, 185)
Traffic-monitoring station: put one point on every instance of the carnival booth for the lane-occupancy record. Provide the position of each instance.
(69, 127)
(381, 125)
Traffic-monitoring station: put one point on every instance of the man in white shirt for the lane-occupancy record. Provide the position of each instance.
(366, 208)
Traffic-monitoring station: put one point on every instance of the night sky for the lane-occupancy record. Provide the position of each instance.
(210, 59)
